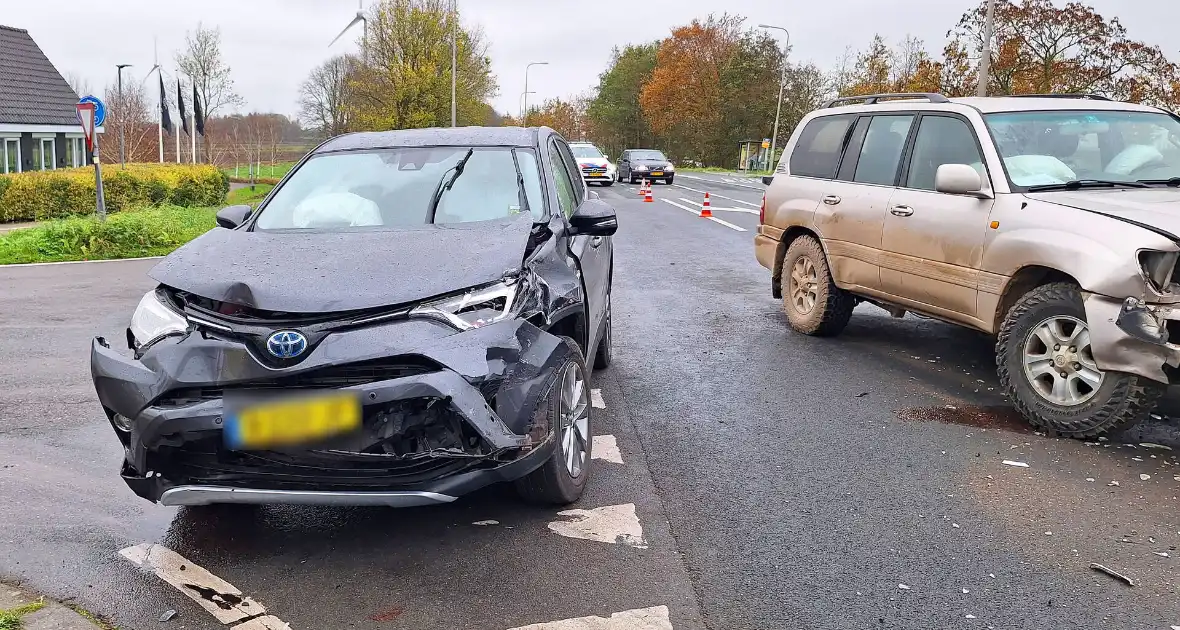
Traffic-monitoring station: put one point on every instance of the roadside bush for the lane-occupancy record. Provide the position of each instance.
(269, 181)
(38, 196)
(130, 234)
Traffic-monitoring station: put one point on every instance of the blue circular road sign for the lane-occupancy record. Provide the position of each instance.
(100, 110)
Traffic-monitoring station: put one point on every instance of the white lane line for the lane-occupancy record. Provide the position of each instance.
(713, 194)
(734, 183)
(615, 524)
(596, 399)
(79, 262)
(263, 623)
(718, 209)
(219, 598)
(606, 448)
(654, 618)
(698, 213)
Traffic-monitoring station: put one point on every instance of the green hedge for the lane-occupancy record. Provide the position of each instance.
(42, 195)
(130, 234)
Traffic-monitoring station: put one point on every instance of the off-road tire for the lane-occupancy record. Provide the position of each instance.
(551, 484)
(833, 305)
(1121, 401)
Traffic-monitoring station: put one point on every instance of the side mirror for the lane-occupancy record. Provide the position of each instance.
(958, 179)
(768, 179)
(594, 218)
(233, 216)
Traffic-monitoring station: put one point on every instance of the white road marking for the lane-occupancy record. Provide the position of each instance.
(616, 524)
(606, 448)
(264, 623)
(654, 618)
(219, 598)
(596, 399)
(713, 194)
(79, 262)
(731, 183)
(719, 209)
(698, 213)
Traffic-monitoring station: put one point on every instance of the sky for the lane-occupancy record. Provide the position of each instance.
(271, 45)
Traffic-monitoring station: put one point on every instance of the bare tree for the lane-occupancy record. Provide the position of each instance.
(906, 57)
(201, 61)
(131, 112)
(79, 83)
(324, 96)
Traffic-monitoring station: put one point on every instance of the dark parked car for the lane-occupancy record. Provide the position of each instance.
(649, 164)
(406, 318)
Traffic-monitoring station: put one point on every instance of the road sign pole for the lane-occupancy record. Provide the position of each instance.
(100, 199)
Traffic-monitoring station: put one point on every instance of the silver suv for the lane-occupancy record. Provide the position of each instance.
(1051, 222)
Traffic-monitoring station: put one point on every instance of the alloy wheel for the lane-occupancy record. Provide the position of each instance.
(1059, 362)
(575, 419)
(804, 285)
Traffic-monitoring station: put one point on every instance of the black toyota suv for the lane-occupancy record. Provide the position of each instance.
(407, 317)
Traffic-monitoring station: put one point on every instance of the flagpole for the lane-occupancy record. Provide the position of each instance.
(192, 128)
(163, 103)
(179, 96)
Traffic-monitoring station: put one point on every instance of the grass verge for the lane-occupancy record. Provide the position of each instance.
(11, 619)
(722, 171)
(265, 171)
(128, 234)
(246, 196)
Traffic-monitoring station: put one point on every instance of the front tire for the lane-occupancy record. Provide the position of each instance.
(813, 303)
(604, 354)
(608, 183)
(562, 478)
(1047, 369)
(669, 181)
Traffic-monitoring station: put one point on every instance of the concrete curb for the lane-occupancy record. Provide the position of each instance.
(54, 616)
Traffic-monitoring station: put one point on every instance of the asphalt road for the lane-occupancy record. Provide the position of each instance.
(780, 481)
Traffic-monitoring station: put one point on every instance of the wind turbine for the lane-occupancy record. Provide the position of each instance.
(360, 17)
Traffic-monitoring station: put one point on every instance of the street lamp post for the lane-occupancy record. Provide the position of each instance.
(454, 56)
(122, 118)
(520, 103)
(782, 85)
(525, 114)
(985, 60)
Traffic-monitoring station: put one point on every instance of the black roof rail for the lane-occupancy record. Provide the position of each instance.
(873, 99)
(1092, 97)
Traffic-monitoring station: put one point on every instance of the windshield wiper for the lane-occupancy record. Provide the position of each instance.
(1171, 181)
(445, 183)
(1086, 183)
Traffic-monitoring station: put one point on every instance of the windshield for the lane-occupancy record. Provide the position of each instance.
(648, 155)
(393, 188)
(585, 151)
(1054, 147)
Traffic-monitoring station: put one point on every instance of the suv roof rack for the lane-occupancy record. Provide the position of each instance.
(1092, 97)
(873, 99)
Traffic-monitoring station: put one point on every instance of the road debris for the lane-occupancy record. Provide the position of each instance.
(487, 522)
(1112, 573)
(1090, 479)
(862, 394)
(1162, 554)
(970, 617)
(167, 616)
(955, 525)
(1144, 477)
(903, 587)
(1113, 483)
(965, 591)
(1008, 462)
(1153, 445)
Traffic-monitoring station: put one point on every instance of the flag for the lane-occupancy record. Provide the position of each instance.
(198, 115)
(180, 105)
(165, 118)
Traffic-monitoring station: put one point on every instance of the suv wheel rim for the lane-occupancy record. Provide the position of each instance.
(575, 419)
(1059, 362)
(804, 285)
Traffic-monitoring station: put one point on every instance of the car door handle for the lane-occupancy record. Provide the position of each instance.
(901, 211)
(596, 241)
(832, 200)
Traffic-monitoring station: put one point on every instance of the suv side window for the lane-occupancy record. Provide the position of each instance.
(561, 178)
(880, 155)
(575, 172)
(817, 154)
(941, 140)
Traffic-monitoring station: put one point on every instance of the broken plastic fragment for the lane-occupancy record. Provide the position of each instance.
(167, 615)
(1153, 445)
(1144, 477)
(487, 522)
(903, 587)
(1113, 483)
(1009, 462)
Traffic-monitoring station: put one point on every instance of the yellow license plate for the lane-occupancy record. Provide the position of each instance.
(292, 421)
(657, 173)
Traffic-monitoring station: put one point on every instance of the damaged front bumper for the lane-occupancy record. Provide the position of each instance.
(1133, 336)
(444, 413)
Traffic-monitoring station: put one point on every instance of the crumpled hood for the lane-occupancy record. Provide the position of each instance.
(1155, 207)
(323, 272)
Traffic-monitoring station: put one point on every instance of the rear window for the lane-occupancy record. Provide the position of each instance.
(817, 154)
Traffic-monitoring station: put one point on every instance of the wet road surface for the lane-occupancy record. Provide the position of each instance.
(780, 481)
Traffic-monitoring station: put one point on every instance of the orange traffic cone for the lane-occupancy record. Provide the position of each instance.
(647, 196)
(643, 188)
(705, 211)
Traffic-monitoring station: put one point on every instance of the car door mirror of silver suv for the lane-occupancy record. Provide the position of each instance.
(959, 179)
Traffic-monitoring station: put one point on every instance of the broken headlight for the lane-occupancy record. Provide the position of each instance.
(1157, 267)
(153, 320)
(513, 297)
